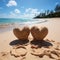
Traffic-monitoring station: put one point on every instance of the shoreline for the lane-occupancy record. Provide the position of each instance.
(11, 26)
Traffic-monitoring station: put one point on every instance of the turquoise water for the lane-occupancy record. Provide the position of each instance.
(12, 20)
(19, 21)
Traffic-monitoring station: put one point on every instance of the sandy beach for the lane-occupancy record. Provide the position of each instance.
(51, 52)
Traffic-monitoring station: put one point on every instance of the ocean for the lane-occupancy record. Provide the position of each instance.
(19, 21)
(8, 23)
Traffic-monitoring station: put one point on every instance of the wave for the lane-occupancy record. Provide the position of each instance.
(19, 22)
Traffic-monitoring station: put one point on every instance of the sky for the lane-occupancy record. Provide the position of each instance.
(25, 8)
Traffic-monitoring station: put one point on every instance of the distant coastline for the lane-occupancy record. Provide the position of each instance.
(55, 13)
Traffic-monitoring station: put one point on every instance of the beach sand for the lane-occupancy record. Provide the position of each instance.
(49, 49)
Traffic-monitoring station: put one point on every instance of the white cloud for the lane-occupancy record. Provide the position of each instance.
(11, 3)
(12, 14)
(17, 11)
(30, 13)
(31, 10)
(27, 10)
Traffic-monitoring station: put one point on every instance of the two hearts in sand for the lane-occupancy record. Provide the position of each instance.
(38, 34)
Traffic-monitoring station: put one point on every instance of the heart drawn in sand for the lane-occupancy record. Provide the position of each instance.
(21, 34)
(39, 33)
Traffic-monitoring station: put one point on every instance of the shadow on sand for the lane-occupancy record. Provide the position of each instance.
(18, 42)
(41, 43)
